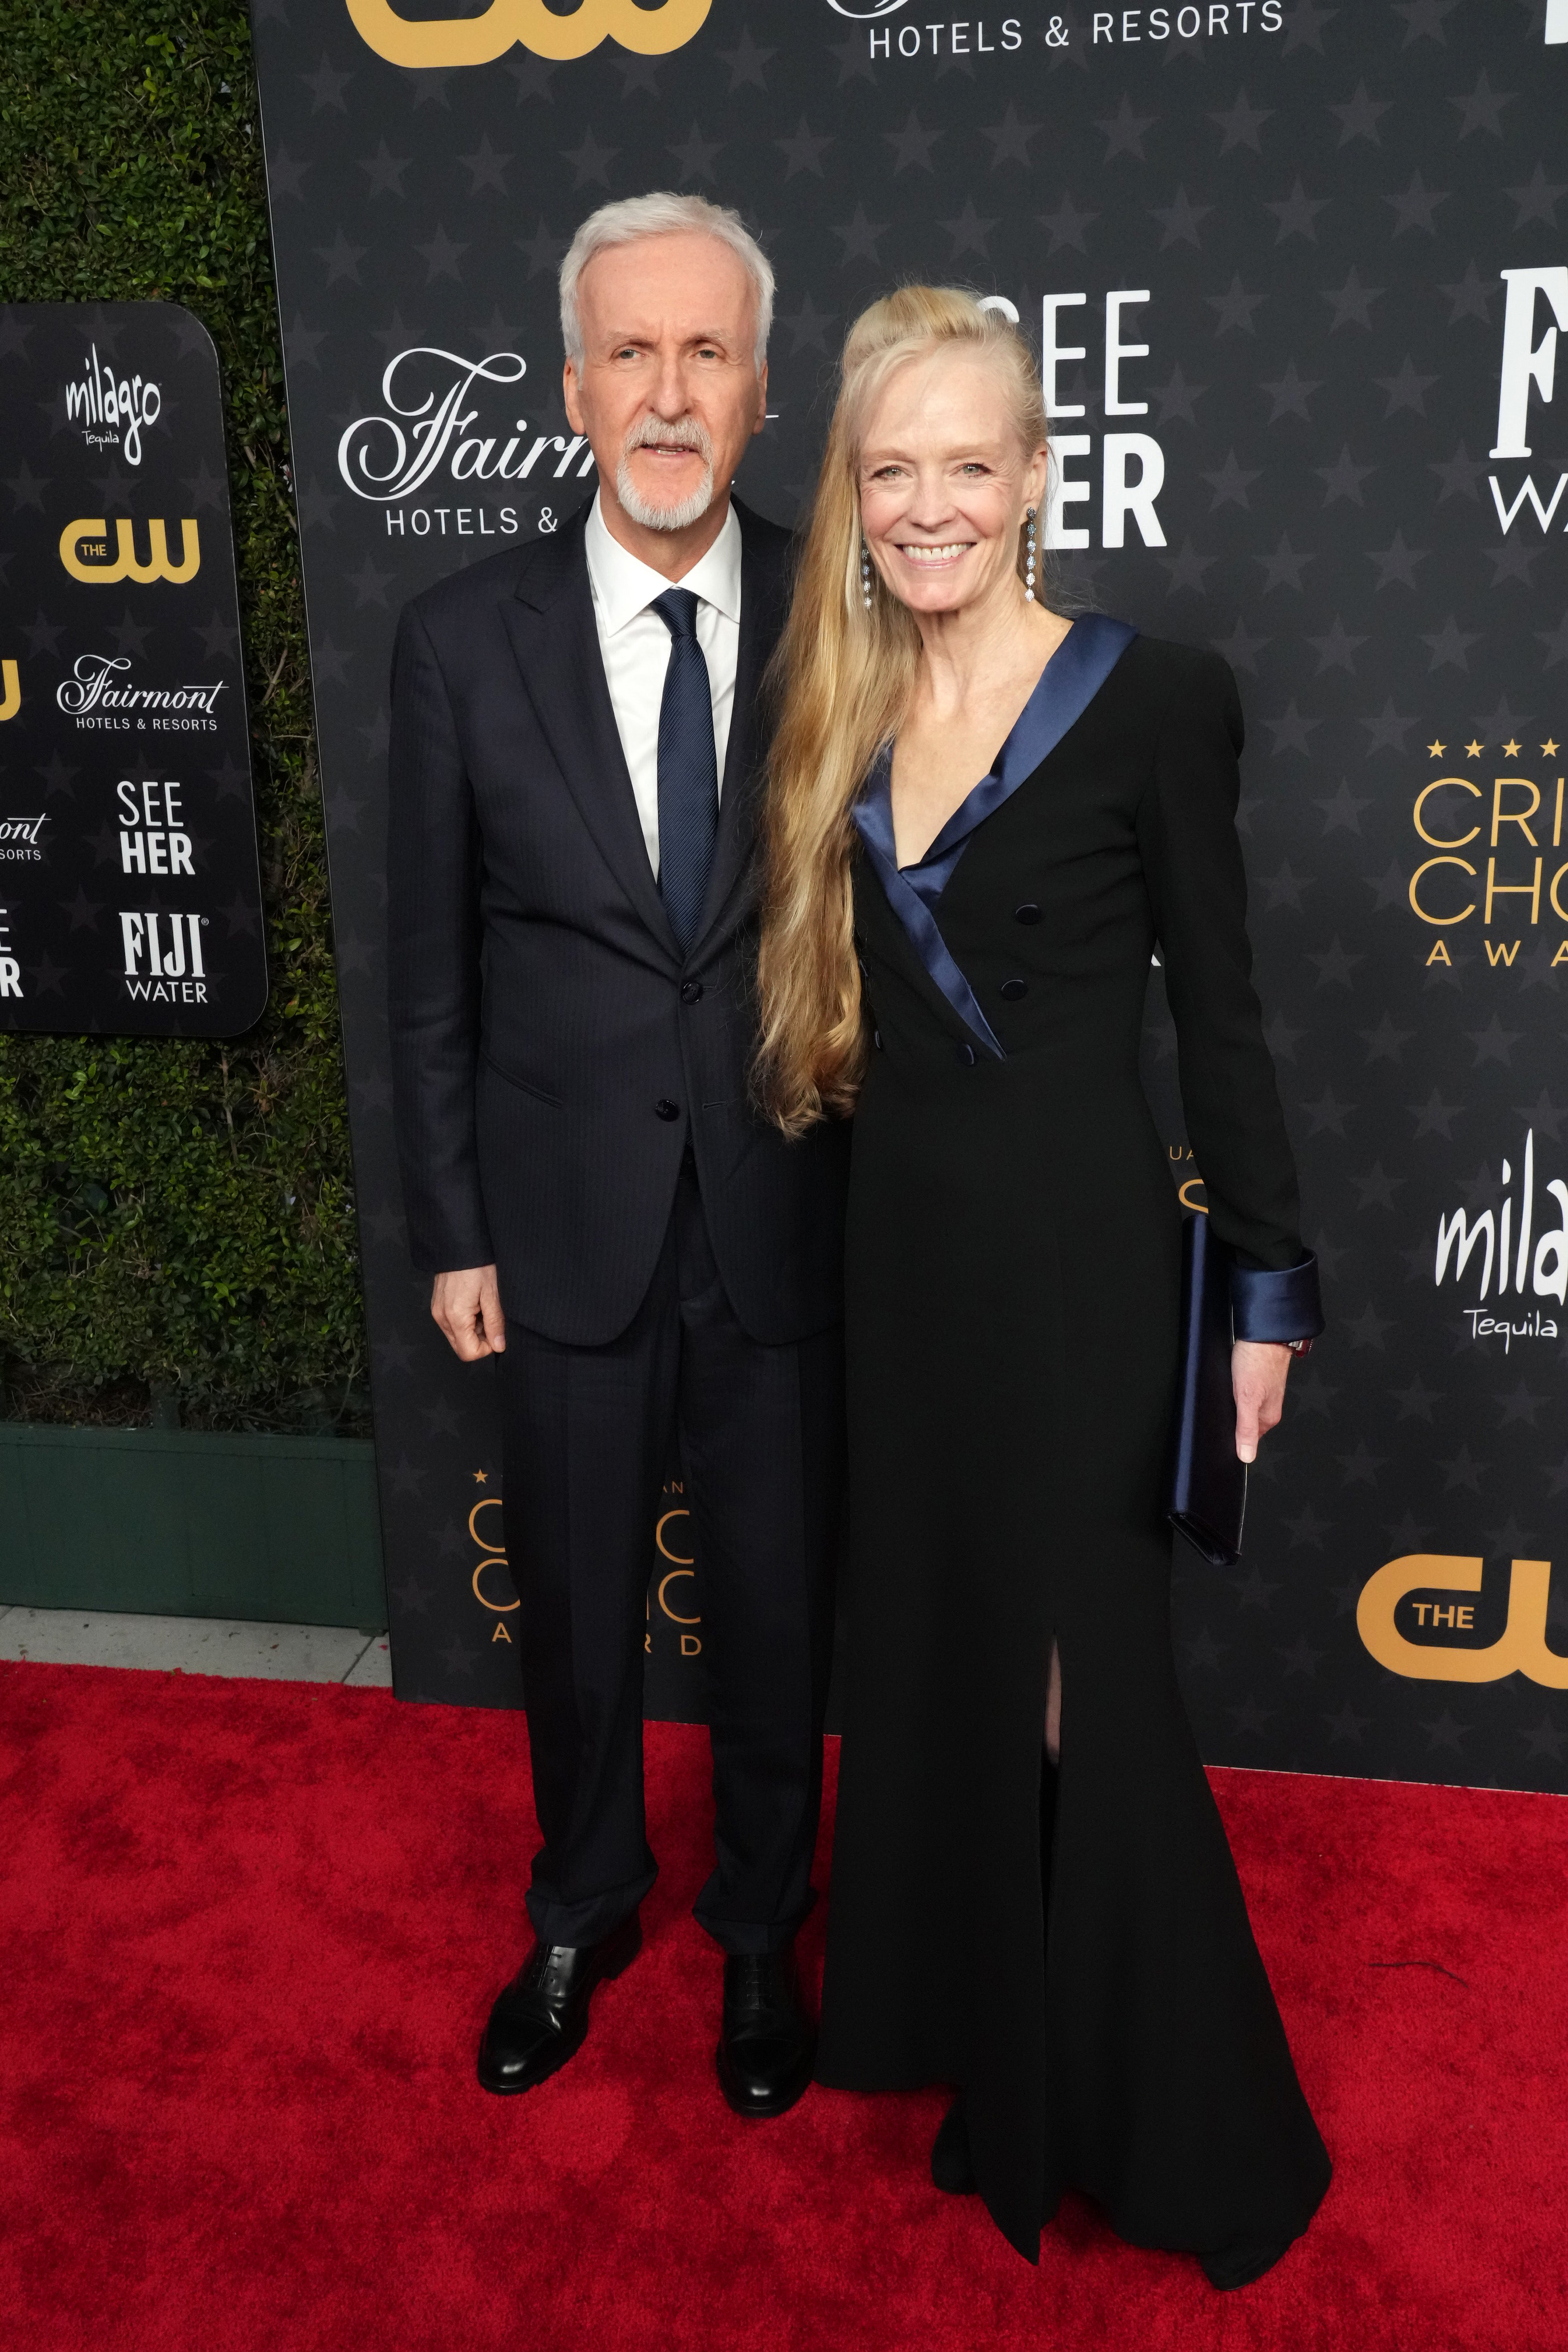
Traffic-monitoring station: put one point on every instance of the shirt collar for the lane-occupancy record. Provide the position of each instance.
(623, 586)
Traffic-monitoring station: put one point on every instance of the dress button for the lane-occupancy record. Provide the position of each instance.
(966, 1055)
(1013, 989)
(665, 1108)
(876, 1039)
(691, 992)
(1028, 913)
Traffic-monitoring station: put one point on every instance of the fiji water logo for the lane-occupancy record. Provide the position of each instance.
(1496, 1243)
(1527, 376)
(111, 411)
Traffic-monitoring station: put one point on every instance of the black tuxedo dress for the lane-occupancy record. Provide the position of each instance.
(1088, 1974)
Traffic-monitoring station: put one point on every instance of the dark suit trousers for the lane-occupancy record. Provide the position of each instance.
(587, 1435)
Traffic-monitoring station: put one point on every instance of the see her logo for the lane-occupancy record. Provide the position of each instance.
(477, 40)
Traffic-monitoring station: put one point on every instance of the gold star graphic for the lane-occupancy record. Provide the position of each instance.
(1511, 750)
(1549, 749)
(1436, 750)
(1473, 751)
(479, 1477)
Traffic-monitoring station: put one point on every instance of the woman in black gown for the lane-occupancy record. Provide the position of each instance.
(1032, 1899)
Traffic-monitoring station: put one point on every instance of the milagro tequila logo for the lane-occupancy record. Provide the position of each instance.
(112, 412)
(1497, 1244)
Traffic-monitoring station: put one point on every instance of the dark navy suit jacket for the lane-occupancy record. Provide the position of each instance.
(553, 1051)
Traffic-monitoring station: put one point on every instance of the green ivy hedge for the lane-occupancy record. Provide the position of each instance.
(177, 1238)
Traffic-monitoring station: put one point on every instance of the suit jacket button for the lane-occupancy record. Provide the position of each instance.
(665, 1108)
(1013, 989)
(691, 992)
(966, 1055)
(1028, 913)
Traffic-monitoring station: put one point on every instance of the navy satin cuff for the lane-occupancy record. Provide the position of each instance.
(1277, 1306)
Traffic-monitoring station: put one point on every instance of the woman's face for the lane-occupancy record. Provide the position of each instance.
(943, 485)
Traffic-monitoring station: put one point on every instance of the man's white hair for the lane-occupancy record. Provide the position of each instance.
(663, 215)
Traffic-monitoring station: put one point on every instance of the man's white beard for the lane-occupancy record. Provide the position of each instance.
(689, 434)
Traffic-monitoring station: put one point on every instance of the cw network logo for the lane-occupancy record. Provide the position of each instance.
(84, 552)
(474, 40)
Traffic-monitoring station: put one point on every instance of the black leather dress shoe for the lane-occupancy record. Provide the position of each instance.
(767, 2046)
(952, 2165)
(542, 2019)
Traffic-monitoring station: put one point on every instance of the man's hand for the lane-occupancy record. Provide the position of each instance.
(1257, 1372)
(467, 1306)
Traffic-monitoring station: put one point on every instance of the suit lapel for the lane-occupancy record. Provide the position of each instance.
(761, 617)
(555, 638)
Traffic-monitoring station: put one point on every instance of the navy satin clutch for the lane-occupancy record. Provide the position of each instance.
(1208, 1480)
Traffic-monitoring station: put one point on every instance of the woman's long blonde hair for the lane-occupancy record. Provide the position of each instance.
(845, 677)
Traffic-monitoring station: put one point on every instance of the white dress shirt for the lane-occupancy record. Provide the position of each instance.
(635, 645)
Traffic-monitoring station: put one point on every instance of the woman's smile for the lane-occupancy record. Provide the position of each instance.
(931, 559)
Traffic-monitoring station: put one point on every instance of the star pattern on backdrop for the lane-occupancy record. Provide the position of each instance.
(1316, 222)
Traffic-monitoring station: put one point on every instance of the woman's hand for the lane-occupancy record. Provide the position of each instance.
(1258, 1373)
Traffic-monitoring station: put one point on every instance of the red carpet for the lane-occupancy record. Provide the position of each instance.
(251, 1932)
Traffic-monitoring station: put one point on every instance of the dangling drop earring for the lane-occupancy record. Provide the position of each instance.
(1029, 557)
(865, 573)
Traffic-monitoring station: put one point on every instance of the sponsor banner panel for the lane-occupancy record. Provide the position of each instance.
(1297, 276)
(130, 888)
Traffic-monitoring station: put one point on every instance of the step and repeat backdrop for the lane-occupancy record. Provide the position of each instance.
(129, 890)
(1297, 274)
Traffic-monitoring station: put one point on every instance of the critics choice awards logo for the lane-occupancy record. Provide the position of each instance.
(675, 1571)
(1496, 859)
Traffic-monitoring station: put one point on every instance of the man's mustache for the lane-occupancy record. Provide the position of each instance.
(685, 433)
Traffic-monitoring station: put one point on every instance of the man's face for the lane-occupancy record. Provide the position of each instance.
(669, 392)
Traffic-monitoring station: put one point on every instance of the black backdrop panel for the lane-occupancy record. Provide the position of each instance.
(1297, 273)
(129, 891)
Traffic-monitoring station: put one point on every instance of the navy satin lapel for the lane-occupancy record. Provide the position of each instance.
(1068, 685)
(873, 820)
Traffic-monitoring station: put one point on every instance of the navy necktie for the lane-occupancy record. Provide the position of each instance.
(688, 769)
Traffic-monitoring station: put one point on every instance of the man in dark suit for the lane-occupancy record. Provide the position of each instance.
(578, 733)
